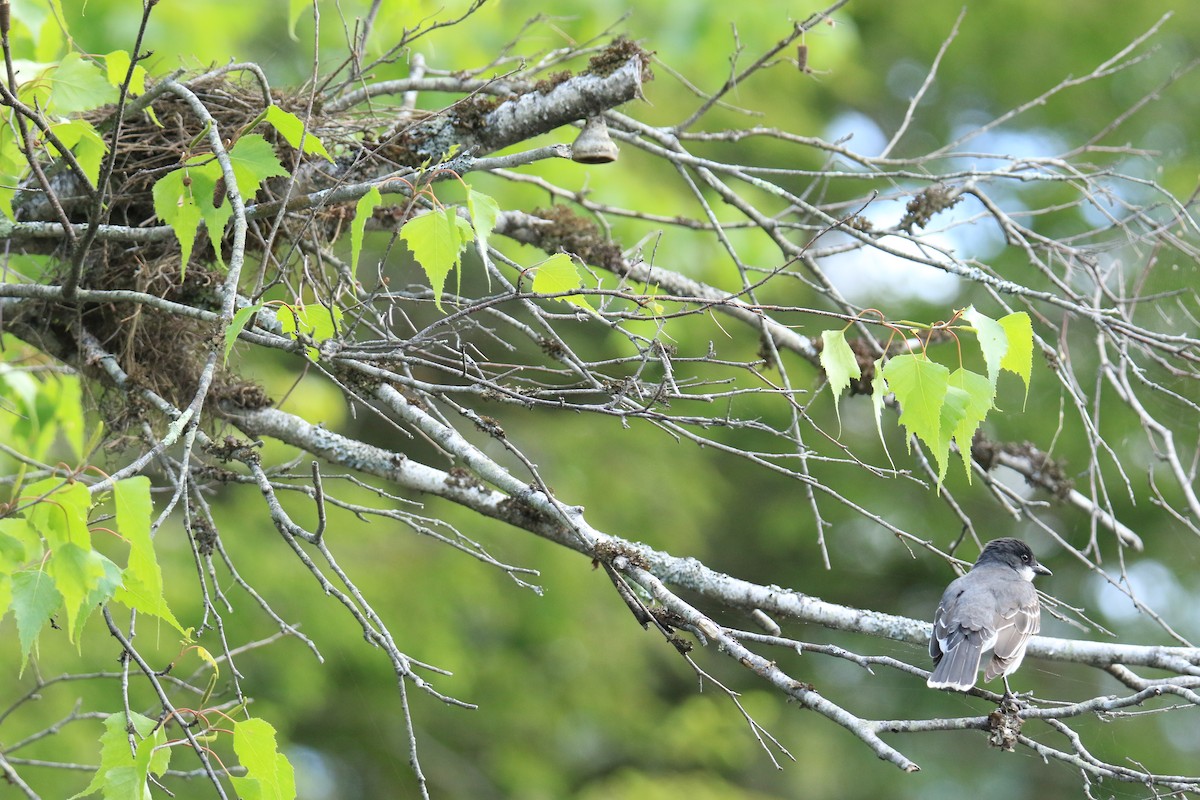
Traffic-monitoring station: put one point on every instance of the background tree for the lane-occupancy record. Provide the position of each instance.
(256, 337)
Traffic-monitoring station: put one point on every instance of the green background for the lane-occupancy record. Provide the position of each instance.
(576, 700)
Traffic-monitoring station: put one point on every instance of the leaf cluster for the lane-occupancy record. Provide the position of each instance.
(938, 405)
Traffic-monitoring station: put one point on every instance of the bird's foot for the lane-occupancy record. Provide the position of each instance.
(1018, 698)
(1013, 702)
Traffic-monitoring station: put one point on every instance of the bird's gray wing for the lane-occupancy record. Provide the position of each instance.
(956, 649)
(939, 633)
(1021, 620)
(938, 644)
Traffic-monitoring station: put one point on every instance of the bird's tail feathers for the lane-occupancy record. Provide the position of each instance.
(958, 668)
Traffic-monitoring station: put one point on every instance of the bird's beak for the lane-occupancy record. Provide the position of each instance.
(1040, 570)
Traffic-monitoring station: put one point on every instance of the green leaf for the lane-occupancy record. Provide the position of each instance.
(879, 390)
(124, 783)
(123, 774)
(484, 212)
(34, 600)
(77, 85)
(316, 321)
(362, 212)
(980, 394)
(920, 387)
(79, 136)
(101, 594)
(205, 177)
(5, 593)
(840, 365)
(116, 64)
(269, 774)
(152, 756)
(34, 80)
(39, 22)
(66, 394)
(12, 159)
(19, 544)
(20, 392)
(175, 204)
(61, 517)
(41, 410)
(951, 415)
(254, 161)
(114, 754)
(292, 130)
(184, 197)
(558, 274)
(131, 497)
(465, 233)
(1019, 358)
(76, 571)
(437, 240)
(993, 341)
(51, 39)
(212, 679)
(295, 9)
(321, 322)
(142, 584)
(289, 319)
(238, 325)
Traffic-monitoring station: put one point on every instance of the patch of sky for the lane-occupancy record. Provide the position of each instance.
(1001, 150)
(963, 233)
(1153, 584)
(857, 132)
(868, 275)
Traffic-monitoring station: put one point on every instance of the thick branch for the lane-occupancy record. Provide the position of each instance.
(526, 116)
(683, 573)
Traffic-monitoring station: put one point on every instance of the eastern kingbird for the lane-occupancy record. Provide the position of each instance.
(993, 607)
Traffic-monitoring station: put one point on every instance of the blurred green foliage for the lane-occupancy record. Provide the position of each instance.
(575, 700)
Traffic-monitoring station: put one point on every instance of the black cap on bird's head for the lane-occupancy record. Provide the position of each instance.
(1013, 553)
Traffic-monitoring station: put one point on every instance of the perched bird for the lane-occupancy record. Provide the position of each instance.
(993, 607)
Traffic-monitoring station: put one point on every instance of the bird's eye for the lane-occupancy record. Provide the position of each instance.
(1025, 558)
